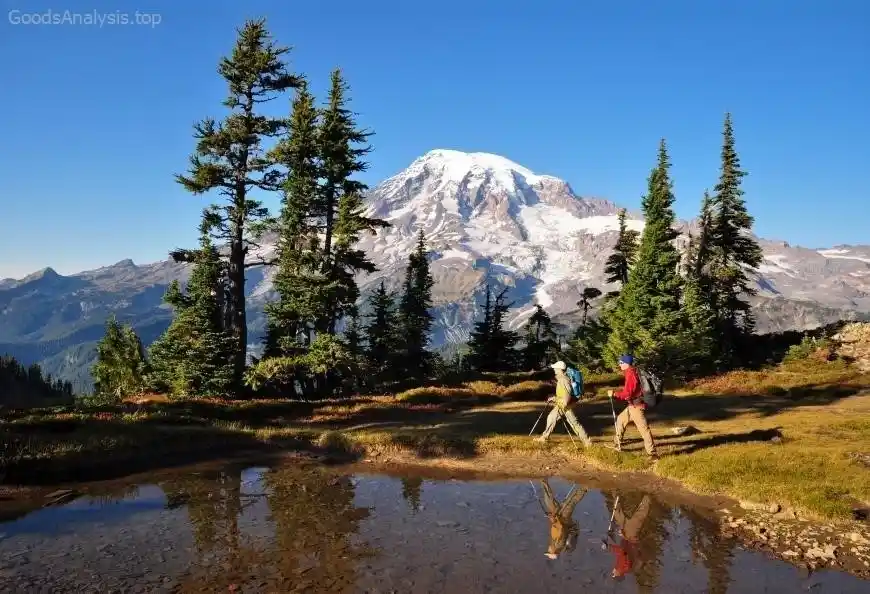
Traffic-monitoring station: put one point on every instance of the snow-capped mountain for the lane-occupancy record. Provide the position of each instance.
(486, 220)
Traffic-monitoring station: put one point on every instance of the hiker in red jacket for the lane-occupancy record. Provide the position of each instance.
(635, 412)
(626, 552)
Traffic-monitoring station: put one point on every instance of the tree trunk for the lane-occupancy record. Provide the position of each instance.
(236, 276)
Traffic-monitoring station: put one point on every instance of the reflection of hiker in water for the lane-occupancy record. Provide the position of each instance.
(563, 528)
(625, 553)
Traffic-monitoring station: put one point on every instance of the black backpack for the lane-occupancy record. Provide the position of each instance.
(651, 385)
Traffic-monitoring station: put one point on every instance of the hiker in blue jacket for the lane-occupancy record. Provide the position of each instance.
(562, 403)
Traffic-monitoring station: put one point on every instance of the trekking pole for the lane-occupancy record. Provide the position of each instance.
(612, 515)
(615, 428)
(538, 499)
(610, 524)
(538, 421)
(567, 426)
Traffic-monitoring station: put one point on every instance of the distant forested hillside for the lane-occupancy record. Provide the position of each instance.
(25, 387)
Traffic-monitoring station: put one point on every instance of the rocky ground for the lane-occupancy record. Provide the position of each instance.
(808, 544)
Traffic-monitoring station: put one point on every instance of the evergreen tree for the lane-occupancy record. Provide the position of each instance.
(339, 204)
(380, 333)
(120, 367)
(647, 317)
(621, 260)
(588, 295)
(353, 340)
(587, 342)
(694, 354)
(195, 356)
(701, 255)
(734, 251)
(492, 346)
(22, 387)
(229, 157)
(353, 333)
(298, 280)
(415, 320)
(587, 345)
(479, 344)
(541, 343)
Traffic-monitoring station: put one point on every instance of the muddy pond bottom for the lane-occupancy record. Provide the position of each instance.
(315, 529)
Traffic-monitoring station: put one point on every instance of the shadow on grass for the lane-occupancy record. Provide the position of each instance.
(719, 407)
(97, 450)
(701, 442)
(435, 446)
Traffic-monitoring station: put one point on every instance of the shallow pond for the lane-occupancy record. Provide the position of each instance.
(291, 528)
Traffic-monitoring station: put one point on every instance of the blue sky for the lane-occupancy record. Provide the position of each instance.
(95, 121)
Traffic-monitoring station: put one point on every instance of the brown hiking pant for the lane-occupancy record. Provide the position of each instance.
(637, 415)
(632, 526)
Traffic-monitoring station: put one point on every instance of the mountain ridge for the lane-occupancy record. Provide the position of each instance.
(486, 219)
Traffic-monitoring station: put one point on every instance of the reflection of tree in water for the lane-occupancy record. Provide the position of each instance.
(213, 504)
(315, 519)
(113, 495)
(412, 487)
(715, 553)
(647, 561)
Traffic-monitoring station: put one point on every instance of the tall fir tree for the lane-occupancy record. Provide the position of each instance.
(415, 319)
(381, 334)
(230, 157)
(734, 252)
(492, 347)
(587, 343)
(648, 316)
(541, 343)
(195, 356)
(588, 295)
(479, 347)
(120, 368)
(584, 347)
(695, 354)
(299, 280)
(619, 263)
(339, 205)
(700, 255)
(353, 332)
(353, 339)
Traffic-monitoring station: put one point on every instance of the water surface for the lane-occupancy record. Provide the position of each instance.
(314, 529)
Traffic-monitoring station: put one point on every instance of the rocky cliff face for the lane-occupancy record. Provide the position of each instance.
(487, 220)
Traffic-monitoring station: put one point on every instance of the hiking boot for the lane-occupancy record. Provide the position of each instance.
(540, 439)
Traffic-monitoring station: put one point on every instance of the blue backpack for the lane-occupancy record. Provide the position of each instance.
(576, 382)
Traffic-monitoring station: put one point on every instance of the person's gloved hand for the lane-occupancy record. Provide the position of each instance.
(610, 393)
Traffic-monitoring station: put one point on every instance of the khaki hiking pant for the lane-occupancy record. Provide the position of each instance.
(560, 410)
(637, 415)
(561, 516)
(632, 526)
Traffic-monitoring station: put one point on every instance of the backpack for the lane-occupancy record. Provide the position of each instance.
(651, 385)
(576, 379)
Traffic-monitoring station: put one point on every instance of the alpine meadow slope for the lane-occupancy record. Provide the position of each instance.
(486, 220)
